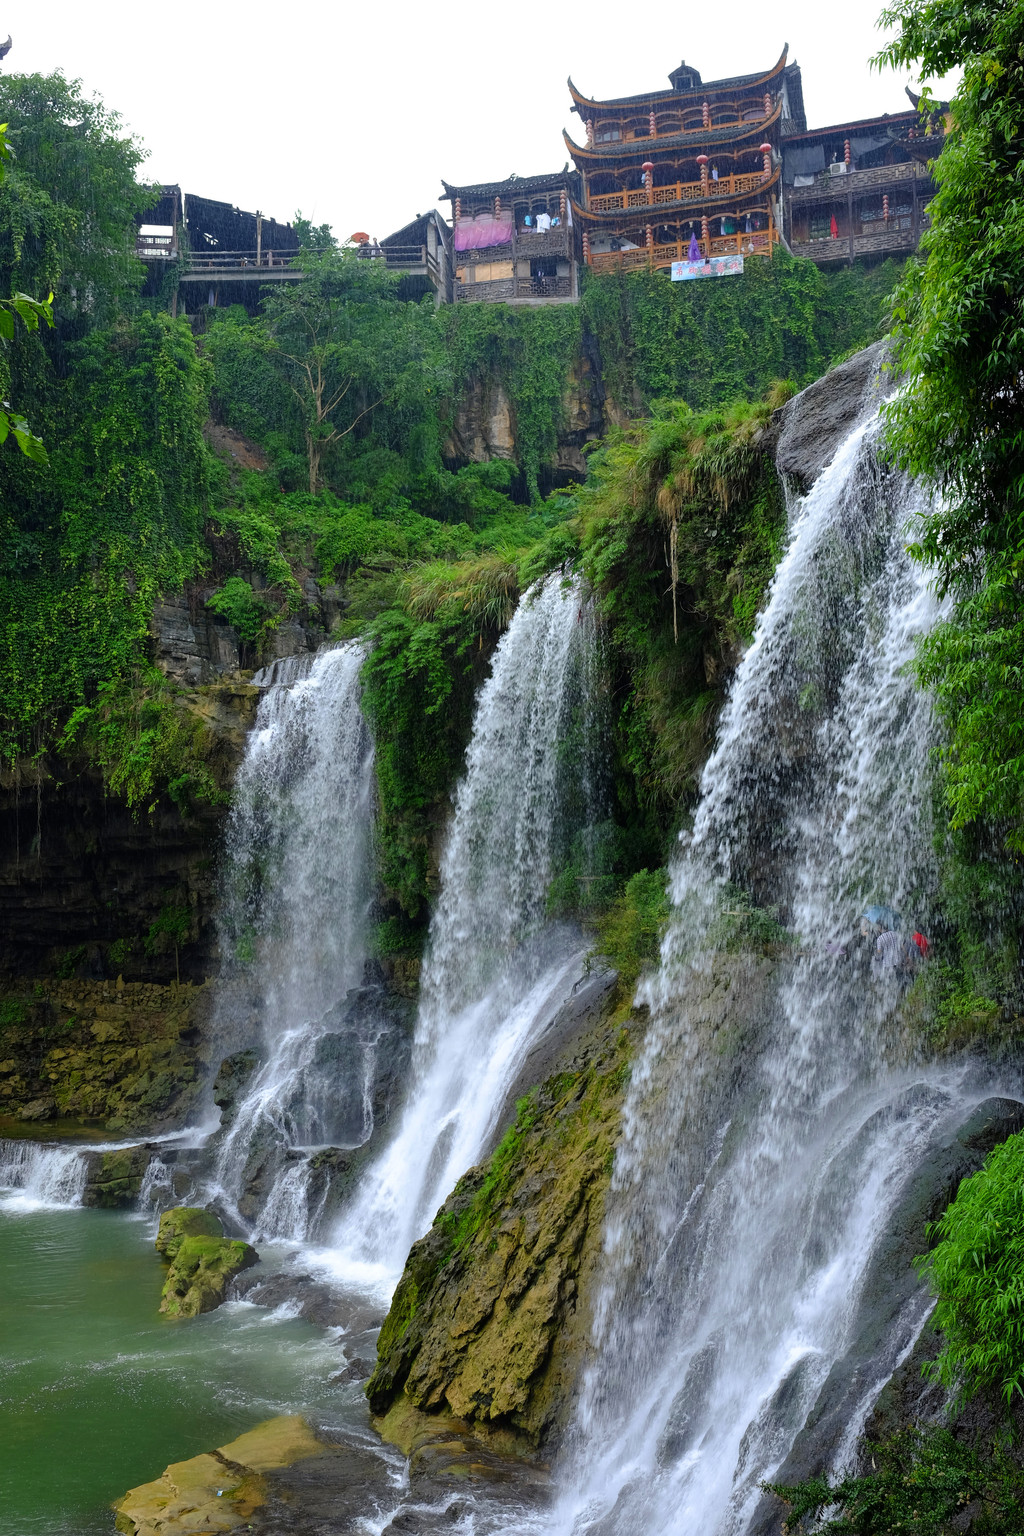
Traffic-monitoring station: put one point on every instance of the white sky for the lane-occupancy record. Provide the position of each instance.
(352, 112)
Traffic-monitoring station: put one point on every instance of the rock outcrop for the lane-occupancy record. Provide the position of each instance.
(489, 1321)
(125, 1054)
(811, 427)
(219, 1490)
(203, 1261)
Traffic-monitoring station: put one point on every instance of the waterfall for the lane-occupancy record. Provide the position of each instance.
(34, 1175)
(496, 970)
(760, 1163)
(293, 933)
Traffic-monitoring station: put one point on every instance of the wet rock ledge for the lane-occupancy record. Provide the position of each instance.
(490, 1319)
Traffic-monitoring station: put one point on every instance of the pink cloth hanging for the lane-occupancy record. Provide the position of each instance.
(477, 234)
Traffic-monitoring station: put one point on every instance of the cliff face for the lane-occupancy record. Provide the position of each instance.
(485, 424)
(128, 1055)
(82, 879)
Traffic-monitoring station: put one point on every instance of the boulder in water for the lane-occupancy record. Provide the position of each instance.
(219, 1490)
(203, 1261)
(115, 1178)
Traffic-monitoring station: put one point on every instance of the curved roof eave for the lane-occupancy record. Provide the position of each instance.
(669, 98)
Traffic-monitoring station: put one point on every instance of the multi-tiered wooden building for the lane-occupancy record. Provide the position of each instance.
(700, 162)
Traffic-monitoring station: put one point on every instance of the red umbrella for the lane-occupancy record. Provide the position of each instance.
(834, 227)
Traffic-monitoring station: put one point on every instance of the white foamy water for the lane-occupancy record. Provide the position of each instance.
(295, 913)
(756, 1177)
(496, 970)
(36, 1177)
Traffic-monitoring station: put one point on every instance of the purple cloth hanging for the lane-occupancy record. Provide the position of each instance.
(477, 234)
(694, 252)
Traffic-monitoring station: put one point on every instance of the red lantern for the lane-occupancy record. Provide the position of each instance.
(766, 160)
(648, 170)
(653, 125)
(885, 207)
(702, 161)
(705, 113)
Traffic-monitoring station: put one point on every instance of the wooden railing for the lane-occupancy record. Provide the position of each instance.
(759, 243)
(681, 192)
(827, 185)
(506, 288)
(214, 261)
(693, 122)
(524, 242)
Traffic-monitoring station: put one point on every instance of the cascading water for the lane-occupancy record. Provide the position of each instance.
(295, 911)
(34, 1176)
(758, 1168)
(496, 970)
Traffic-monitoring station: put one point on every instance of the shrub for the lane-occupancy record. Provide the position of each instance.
(977, 1270)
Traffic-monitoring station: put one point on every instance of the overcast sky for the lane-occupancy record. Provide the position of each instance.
(352, 113)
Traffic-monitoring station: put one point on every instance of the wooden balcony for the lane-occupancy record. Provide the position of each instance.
(828, 187)
(513, 290)
(892, 242)
(524, 243)
(681, 192)
(759, 243)
(239, 267)
(638, 132)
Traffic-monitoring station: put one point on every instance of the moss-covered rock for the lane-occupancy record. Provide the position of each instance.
(219, 1490)
(127, 1054)
(202, 1260)
(115, 1178)
(489, 1319)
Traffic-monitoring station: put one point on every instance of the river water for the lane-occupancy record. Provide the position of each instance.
(98, 1392)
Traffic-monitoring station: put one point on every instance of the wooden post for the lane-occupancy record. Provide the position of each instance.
(849, 215)
(259, 236)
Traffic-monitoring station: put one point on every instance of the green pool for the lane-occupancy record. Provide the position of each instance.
(98, 1392)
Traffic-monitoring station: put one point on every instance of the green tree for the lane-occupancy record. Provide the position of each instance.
(70, 201)
(958, 424)
(345, 344)
(32, 313)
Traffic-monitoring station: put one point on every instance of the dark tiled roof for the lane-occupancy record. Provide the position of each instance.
(887, 120)
(702, 92)
(513, 186)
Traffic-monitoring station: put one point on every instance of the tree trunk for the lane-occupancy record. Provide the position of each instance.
(314, 451)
